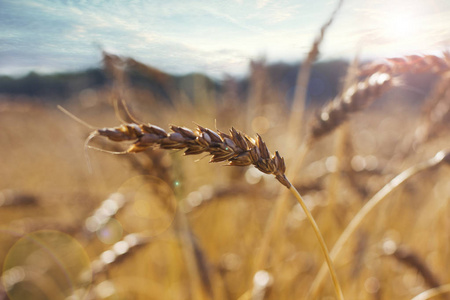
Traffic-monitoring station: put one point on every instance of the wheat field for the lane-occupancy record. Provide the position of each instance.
(140, 219)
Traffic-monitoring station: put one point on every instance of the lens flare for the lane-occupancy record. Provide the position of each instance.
(46, 265)
(153, 205)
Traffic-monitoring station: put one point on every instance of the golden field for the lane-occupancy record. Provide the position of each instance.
(83, 224)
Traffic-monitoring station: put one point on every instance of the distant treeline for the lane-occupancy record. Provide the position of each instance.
(325, 82)
(56, 87)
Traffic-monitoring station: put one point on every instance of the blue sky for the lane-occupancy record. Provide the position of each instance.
(213, 37)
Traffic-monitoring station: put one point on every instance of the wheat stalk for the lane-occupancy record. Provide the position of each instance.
(431, 293)
(297, 111)
(439, 158)
(324, 248)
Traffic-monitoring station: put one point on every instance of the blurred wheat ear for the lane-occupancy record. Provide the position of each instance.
(409, 64)
(355, 98)
(436, 112)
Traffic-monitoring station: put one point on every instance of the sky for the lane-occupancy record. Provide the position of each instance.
(213, 37)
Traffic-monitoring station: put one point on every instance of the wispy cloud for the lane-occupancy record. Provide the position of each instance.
(210, 36)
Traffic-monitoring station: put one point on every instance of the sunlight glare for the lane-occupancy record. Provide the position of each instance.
(401, 26)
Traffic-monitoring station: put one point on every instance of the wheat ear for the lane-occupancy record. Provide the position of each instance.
(236, 148)
(440, 157)
(409, 64)
(355, 98)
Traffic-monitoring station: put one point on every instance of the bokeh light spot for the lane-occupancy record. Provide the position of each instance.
(111, 232)
(260, 124)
